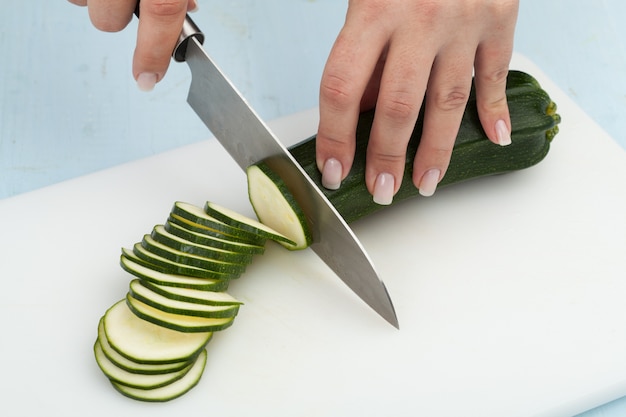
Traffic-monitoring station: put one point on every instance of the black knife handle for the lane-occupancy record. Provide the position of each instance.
(189, 30)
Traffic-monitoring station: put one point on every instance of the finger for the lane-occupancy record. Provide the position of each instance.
(370, 96)
(110, 15)
(399, 100)
(491, 66)
(78, 2)
(160, 23)
(448, 91)
(348, 70)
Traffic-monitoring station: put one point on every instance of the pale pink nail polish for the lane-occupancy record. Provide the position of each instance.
(502, 133)
(146, 81)
(331, 174)
(383, 189)
(429, 182)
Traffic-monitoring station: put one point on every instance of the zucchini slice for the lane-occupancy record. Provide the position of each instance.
(173, 267)
(149, 273)
(192, 295)
(178, 322)
(132, 366)
(170, 391)
(174, 255)
(207, 231)
(145, 342)
(197, 216)
(275, 205)
(245, 223)
(159, 234)
(219, 242)
(168, 305)
(130, 379)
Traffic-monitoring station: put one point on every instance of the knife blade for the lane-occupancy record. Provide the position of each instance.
(249, 140)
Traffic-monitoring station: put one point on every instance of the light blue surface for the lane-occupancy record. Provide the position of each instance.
(69, 106)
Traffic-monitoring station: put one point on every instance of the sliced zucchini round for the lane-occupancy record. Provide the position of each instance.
(173, 267)
(198, 228)
(188, 259)
(159, 234)
(245, 223)
(198, 216)
(276, 207)
(144, 294)
(131, 379)
(145, 342)
(171, 391)
(149, 273)
(132, 366)
(220, 241)
(192, 295)
(178, 322)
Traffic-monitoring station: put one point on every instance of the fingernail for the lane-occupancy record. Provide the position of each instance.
(383, 189)
(331, 174)
(429, 182)
(502, 133)
(146, 81)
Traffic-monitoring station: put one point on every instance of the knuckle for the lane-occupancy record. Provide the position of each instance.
(329, 141)
(337, 91)
(164, 8)
(388, 159)
(495, 105)
(452, 99)
(398, 107)
(496, 76)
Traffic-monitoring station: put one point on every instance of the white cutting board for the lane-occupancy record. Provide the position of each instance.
(510, 293)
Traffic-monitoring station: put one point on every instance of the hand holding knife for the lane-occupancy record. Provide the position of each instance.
(248, 140)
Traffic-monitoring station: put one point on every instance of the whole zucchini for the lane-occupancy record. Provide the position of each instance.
(534, 124)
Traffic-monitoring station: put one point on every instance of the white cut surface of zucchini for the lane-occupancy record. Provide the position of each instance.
(193, 295)
(132, 366)
(145, 342)
(130, 379)
(171, 391)
(177, 322)
(168, 305)
(274, 210)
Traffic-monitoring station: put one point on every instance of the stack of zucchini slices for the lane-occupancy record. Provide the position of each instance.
(152, 344)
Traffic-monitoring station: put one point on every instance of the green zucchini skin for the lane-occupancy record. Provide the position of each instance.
(534, 124)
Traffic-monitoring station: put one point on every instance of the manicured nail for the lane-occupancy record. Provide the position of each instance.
(502, 133)
(383, 189)
(331, 174)
(146, 81)
(429, 182)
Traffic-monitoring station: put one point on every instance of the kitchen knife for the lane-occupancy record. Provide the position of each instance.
(248, 140)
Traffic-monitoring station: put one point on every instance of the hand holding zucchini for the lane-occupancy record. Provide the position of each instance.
(534, 124)
(152, 344)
